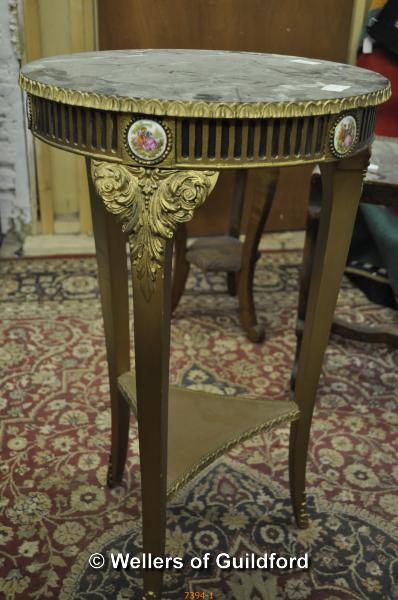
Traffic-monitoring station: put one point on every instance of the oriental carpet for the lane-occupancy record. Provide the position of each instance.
(55, 509)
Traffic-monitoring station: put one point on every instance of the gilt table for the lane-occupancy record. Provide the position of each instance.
(156, 127)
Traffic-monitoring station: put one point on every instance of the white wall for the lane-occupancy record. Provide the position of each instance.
(14, 187)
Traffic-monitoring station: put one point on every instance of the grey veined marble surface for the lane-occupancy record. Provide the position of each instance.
(204, 75)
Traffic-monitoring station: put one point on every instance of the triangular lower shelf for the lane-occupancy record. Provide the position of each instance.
(203, 426)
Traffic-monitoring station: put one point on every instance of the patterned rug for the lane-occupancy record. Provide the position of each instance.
(56, 510)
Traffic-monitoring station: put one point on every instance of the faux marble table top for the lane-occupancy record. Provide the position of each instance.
(204, 76)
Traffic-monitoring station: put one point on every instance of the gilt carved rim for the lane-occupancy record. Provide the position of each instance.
(201, 109)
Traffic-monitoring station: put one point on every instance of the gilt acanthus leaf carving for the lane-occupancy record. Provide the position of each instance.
(150, 203)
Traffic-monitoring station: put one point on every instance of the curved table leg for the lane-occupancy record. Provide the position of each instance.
(342, 186)
(152, 349)
(111, 253)
(372, 334)
(311, 232)
(259, 212)
(151, 204)
(181, 266)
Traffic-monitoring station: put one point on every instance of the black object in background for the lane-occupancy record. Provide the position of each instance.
(385, 30)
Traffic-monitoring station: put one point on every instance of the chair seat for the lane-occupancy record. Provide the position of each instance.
(216, 253)
(227, 254)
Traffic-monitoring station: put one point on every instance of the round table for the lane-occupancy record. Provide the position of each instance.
(156, 127)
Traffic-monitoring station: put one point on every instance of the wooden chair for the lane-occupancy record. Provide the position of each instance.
(380, 187)
(227, 253)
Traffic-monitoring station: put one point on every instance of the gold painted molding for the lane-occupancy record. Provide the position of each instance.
(201, 109)
(150, 203)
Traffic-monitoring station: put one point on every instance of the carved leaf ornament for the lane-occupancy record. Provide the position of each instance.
(150, 203)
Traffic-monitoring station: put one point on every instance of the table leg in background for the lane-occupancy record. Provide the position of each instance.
(259, 212)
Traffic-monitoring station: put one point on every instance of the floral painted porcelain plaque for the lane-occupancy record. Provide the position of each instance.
(147, 140)
(344, 135)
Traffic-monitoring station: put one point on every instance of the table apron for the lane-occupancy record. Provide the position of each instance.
(198, 142)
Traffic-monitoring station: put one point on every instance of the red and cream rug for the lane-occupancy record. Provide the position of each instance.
(55, 509)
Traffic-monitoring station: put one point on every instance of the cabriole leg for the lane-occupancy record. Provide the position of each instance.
(152, 350)
(342, 186)
(110, 244)
(151, 203)
(311, 232)
(181, 266)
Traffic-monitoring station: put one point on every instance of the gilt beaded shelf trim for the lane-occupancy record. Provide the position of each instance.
(209, 458)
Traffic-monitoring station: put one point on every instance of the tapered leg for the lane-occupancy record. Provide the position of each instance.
(381, 334)
(150, 204)
(181, 266)
(110, 244)
(152, 349)
(342, 186)
(311, 233)
(258, 216)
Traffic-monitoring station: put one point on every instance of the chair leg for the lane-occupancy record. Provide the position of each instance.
(232, 281)
(342, 185)
(235, 222)
(110, 245)
(258, 216)
(181, 266)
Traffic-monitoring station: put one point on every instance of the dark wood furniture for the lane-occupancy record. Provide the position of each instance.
(228, 254)
(157, 127)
